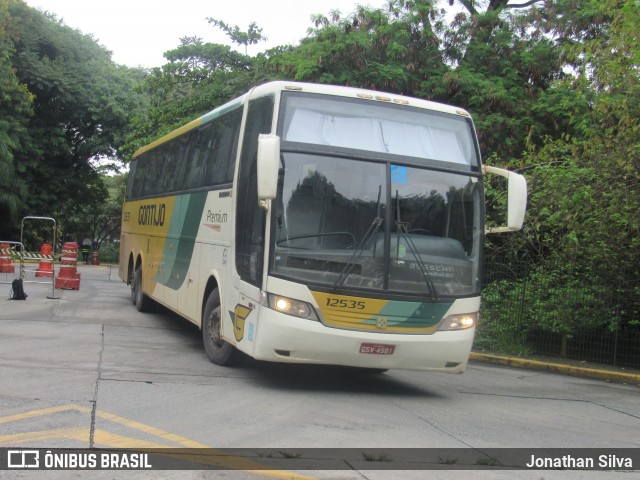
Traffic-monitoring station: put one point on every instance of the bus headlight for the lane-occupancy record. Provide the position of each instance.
(290, 306)
(460, 321)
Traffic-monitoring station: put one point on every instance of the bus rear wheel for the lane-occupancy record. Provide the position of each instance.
(218, 350)
(141, 301)
(132, 279)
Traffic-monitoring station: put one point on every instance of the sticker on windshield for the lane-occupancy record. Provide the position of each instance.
(398, 175)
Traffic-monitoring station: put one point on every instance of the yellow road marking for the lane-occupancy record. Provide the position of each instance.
(42, 412)
(151, 430)
(114, 440)
(81, 433)
(102, 437)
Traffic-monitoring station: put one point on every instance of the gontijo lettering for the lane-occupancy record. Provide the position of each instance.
(152, 215)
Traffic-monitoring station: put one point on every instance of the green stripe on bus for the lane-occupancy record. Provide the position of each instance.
(412, 314)
(178, 248)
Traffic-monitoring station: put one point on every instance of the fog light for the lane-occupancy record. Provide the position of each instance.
(461, 321)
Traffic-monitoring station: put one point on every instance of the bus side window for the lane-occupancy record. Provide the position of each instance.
(220, 168)
(199, 157)
(150, 174)
(132, 180)
(183, 152)
(250, 217)
(168, 167)
(232, 139)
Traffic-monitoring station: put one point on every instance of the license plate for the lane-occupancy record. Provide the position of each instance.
(377, 348)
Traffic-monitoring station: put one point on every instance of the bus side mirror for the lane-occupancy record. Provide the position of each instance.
(516, 199)
(268, 166)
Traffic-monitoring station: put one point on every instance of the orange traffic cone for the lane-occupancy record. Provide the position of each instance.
(46, 262)
(68, 276)
(5, 259)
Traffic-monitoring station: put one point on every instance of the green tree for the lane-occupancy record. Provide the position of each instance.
(502, 68)
(81, 103)
(15, 112)
(584, 181)
(197, 78)
(395, 51)
(583, 221)
(101, 216)
(252, 36)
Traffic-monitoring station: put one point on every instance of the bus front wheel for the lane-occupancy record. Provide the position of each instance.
(218, 350)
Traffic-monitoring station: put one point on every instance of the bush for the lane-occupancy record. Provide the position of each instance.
(502, 328)
(109, 252)
(547, 299)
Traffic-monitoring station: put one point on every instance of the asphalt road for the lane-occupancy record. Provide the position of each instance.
(87, 370)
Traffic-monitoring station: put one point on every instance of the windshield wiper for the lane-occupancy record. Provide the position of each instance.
(402, 227)
(373, 229)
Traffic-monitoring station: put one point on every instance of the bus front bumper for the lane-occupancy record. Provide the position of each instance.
(282, 338)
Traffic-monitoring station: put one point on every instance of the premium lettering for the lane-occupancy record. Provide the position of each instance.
(216, 217)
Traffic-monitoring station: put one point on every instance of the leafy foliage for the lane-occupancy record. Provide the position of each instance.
(100, 217)
(197, 78)
(71, 105)
(15, 112)
(583, 220)
(396, 52)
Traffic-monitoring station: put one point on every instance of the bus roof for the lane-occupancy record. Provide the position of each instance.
(353, 92)
(323, 89)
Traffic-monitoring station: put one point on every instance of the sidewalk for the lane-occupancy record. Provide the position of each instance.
(566, 367)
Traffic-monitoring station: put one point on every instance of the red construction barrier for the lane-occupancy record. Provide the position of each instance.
(46, 262)
(68, 277)
(6, 266)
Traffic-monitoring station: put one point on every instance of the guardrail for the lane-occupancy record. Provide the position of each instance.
(23, 258)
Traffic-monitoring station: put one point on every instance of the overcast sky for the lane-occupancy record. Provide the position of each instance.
(139, 31)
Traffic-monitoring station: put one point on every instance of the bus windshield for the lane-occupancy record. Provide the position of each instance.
(376, 226)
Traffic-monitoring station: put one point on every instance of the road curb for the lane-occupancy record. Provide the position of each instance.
(519, 362)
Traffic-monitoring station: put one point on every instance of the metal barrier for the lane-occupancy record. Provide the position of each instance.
(13, 255)
(39, 256)
(23, 257)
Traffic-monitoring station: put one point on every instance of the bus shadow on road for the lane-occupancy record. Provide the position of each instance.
(303, 378)
(332, 378)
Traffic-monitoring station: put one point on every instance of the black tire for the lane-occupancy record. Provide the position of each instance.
(141, 301)
(131, 284)
(218, 350)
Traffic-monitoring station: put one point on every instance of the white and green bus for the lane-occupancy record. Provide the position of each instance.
(316, 224)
